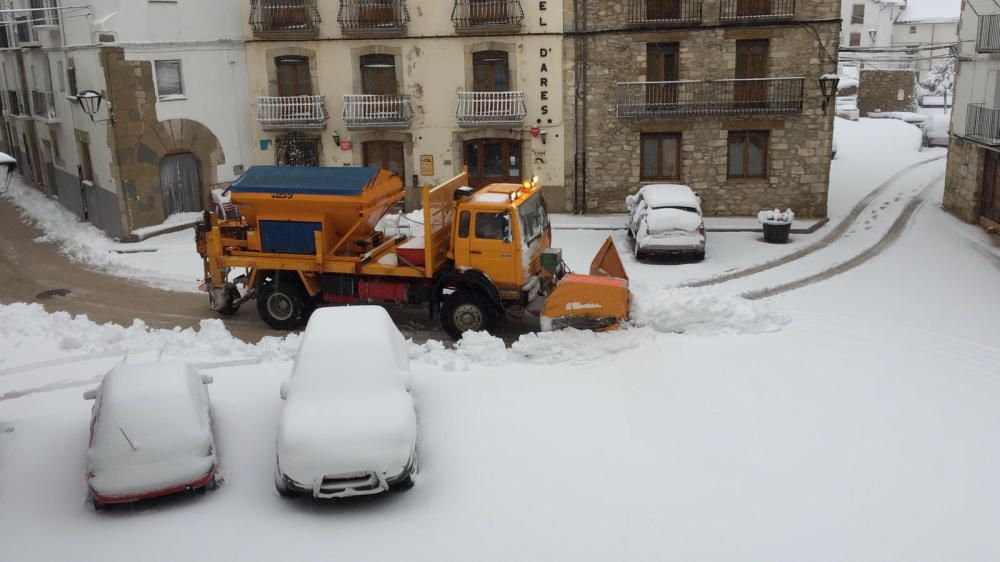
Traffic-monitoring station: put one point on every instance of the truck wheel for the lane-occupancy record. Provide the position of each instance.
(466, 310)
(283, 304)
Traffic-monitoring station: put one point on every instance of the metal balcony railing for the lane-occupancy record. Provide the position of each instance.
(490, 108)
(663, 12)
(380, 18)
(292, 113)
(288, 18)
(988, 36)
(44, 104)
(982, 124)
(752, 96)
(365, 111)
(755, 10)
(12, 102)
(493, 16)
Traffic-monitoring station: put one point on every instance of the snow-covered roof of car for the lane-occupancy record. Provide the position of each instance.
(6, 159)
(351, 346)
(149, 411)
(669, 195)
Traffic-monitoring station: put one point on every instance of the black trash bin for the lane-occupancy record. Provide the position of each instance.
(777, 233)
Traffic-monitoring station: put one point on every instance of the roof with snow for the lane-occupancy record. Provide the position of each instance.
(931, 11)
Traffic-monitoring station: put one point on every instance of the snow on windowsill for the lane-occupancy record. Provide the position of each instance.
(172, 97)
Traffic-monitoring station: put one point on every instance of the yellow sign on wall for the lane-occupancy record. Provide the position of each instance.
(426, 165)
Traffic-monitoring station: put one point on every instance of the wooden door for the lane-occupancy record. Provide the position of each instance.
(749, 8)
(180, 185)
(387, 155)
(663, 9)
(293, 76)
(378, 75)
(490, 71)
(493, 161)
(751, 62)
(661, 66)
(989, 200)
(482, 12)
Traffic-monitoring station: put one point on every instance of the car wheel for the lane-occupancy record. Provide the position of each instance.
(281, 487)
(98, 506)
(699, 256)
(638, 253)
(404, 484)
(282, 303)
(466, 310)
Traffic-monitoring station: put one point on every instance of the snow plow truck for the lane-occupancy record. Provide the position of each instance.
(306, 237)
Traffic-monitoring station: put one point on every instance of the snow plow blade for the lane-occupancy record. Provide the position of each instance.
(598, 301)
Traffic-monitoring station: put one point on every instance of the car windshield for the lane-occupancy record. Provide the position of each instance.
(534, 218)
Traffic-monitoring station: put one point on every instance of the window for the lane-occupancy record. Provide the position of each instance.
(913, 29)
(169, 83)
(492, 226)
(86, 167)
(855, 40)
(296, 149)
(534, 218)
(748, 154)
(71, 77)
(663, 9)
(858, 13)
(62, 76)
(378, 75)
(490, 71)
(660, 156)
(294, 78)
(463, 224)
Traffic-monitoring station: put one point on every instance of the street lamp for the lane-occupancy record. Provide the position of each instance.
(90, 102)
(828, 85)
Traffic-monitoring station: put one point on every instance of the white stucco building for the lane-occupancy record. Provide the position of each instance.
(172, 121)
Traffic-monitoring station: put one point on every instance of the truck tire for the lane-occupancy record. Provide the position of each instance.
(466, 310)
(283, 303)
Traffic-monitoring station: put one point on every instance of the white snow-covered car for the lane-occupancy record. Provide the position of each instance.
(150, 433)
(348, 427)
(666, 220)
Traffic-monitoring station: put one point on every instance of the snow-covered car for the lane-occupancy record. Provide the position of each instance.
(348, 426)
(666, 220)
(150, 433)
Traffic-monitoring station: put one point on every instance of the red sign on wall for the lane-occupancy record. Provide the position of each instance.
(345, 145)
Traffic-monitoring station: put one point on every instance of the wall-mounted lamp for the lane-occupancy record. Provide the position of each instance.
(90, 103)
(336, 138)
(828, 85)
(872, 34)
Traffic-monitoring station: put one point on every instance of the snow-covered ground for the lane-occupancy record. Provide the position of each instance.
(851, 419)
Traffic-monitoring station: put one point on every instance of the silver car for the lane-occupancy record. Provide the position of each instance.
(666, 220)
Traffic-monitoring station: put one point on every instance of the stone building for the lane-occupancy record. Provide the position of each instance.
(420, 87)
(972, 180)
(721, 95)
(171, 123)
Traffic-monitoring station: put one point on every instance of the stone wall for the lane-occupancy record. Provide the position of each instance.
(886, 90)
(801, 143)
(963, 179)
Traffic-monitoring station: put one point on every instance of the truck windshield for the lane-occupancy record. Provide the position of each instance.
(533, 217)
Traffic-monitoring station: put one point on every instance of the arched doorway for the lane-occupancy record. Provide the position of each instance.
(180, 183)
(493, 161)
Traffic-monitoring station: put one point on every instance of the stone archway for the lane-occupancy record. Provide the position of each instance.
(165, 138)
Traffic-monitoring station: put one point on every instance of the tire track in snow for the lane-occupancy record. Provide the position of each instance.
(836, 234)
(888, 239)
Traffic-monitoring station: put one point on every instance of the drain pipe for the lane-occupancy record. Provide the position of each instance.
(580, 107)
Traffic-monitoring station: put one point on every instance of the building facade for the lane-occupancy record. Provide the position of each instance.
(722, 95)
(972, 181)
(171, 124)
(419, 87)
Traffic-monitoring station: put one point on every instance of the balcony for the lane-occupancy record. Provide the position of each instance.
(44, 13)
(12, 102)
(364, 111)
(988, 36)
(476, 109)
(44, 105)
(982, 124)
(748, 11)
(473, 17)
(752, 96)
(25, 33)
(292, 113)
(373, 18)
(284, 19)
(657, 13)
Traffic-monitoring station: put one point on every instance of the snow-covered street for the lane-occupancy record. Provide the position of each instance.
(849, 418)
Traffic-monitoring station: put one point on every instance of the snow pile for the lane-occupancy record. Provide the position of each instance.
(703, 311)
(23, 324)
(175, 220)
(860, 139)
(175, 268)
(777, 216)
